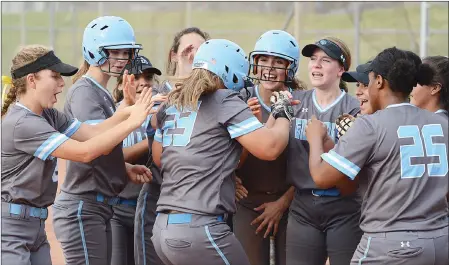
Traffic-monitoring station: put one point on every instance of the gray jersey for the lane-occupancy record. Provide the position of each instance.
(259, 175)
(89, 102)
(403, 151)
(132, 190)
(298, 172)
(200, 153)
(28, 140)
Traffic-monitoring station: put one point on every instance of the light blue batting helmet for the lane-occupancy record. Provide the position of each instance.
(104, 33)
(225, 59)
(280, 44)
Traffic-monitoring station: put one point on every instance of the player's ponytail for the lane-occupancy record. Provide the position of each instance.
(9, 99)
(440, 66)
(343, 85)
(26, 55)
(188, 91)
(82, 71)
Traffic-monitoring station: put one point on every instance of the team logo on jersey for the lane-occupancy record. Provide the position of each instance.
(305, 110)
(300, 129)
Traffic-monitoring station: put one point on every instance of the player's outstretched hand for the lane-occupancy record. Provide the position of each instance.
(139, 174)
(315, 128)
(129, 89)
(254, 106)
(142, 108)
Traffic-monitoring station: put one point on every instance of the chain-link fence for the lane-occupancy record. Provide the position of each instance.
(367, 28)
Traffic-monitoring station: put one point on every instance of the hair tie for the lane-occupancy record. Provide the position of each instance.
(7, 81)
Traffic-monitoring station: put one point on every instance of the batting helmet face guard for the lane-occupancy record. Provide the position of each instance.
(280, 44)
(105, 33)
(225, 59)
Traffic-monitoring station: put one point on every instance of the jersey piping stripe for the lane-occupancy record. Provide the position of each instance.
(50, 145)
(206, 228)
(142, 228)
(94, 122)
(244, 127)
(342, 164)
(72, 128)
(261, 101)
(83, 239)
(343, 93)
(441, 111)
(366, 251)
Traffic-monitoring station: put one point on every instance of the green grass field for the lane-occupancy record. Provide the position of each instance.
(155, 30)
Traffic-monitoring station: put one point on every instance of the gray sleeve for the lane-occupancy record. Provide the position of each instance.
(84, 107)
(35, 136)
(64, 124)
(354, 149)
(236, 116)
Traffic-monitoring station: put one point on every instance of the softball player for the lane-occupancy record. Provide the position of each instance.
(274, 62)
(185, 44)
(360, 76)
(83, 209)
(434, 97)
(135, 151)
(200, 149)
(402, 223)
(34, 134)
(322, 223)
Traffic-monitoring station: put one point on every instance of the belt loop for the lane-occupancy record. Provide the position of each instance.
(25, 212)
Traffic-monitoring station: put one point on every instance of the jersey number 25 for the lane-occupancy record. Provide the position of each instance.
(417, 150)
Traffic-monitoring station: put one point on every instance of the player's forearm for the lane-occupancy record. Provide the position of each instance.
(105, 142)
(270, 122)
(118, 117)
(134, 152)
(279, 140)
(328, 144)
(288, 196)
(315, 161)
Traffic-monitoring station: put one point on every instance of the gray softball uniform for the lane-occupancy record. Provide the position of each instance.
(265, 182)
(28, 183)
(321, 223)
(122, 222)
(403, 150)
(83, 209)
(200, 155)
(144, 252)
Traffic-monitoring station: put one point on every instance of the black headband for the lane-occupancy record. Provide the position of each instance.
(47, 61)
